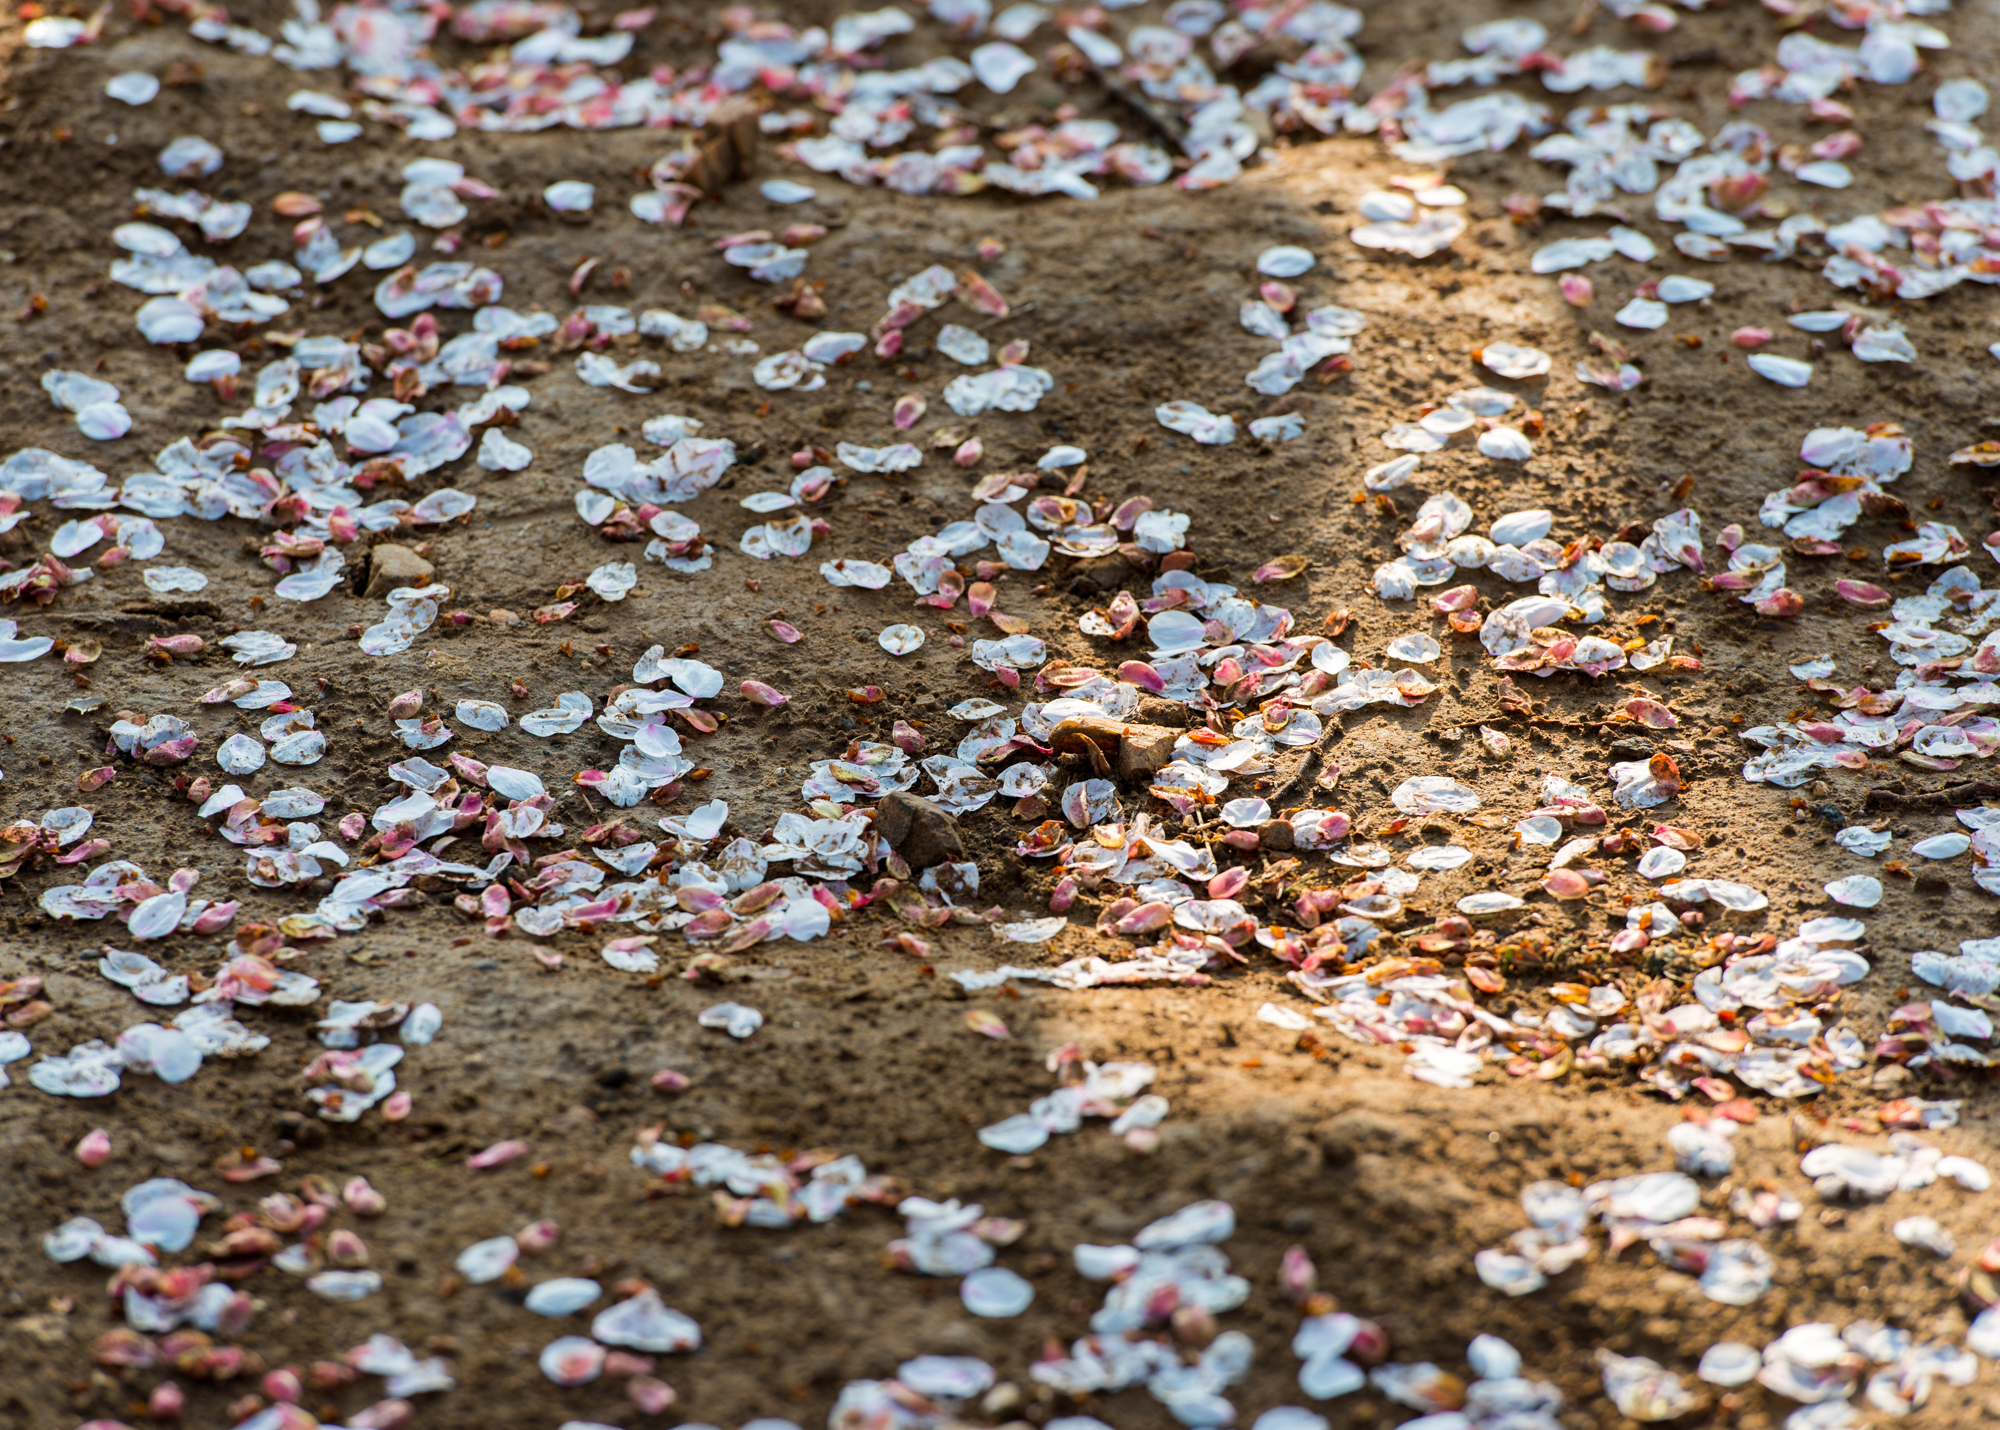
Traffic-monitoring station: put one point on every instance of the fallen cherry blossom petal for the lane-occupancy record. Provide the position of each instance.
(497, 1154)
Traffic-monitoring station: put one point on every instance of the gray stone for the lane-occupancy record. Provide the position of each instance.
(918, 829)
(1095, 575)
(1131, 752)
(1275, 834)
(1143, 749)
(390, 566)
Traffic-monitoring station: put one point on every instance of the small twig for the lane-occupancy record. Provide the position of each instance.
(1300, 782)
(1014, 312)
(1159, 115)
(1968, 793)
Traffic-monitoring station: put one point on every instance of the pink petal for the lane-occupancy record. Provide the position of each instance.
(1651, 713)
(1565, 884)
(495, 1155)
(1137, 672)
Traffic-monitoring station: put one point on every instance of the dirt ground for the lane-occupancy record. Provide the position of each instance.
(1390, 1184)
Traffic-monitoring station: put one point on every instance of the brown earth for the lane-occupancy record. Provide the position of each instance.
(1129, 301)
